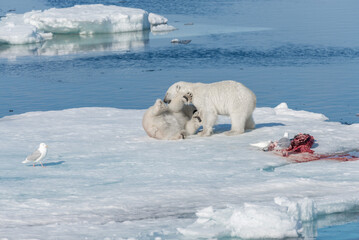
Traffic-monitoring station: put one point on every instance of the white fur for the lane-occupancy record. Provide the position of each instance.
(220, 98)
(171, 122)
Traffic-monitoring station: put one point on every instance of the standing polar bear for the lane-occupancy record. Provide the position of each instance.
(177, 120)
(219, 98)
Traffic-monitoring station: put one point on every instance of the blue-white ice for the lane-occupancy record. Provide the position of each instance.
(38, 26)
(105, 177)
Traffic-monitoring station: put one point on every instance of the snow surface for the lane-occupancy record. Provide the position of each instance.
(36, 26)
(105, 177)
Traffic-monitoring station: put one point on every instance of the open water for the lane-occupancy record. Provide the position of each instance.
(305, 53)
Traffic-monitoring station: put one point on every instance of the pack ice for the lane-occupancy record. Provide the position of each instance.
(104, 178)
(37, 26)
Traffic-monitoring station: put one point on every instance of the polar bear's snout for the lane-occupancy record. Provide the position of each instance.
(166, 99)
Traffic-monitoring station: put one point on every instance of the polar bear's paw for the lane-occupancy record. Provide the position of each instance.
(205, 133)
(196, 115)
(233, 133)
(179, 136)
(196, 118)
(159, 103)
(159, 107)
(188, 97)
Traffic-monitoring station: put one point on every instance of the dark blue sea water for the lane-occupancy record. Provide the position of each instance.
(302, 52)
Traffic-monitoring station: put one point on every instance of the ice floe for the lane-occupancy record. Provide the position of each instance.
(35, 26)
(105, 177)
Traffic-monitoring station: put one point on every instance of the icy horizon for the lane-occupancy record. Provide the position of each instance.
(105, 177)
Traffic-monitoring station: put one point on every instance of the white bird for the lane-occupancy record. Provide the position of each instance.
(284, 142)
(38, 155)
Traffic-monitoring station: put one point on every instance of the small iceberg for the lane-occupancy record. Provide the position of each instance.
(180, 41)
(37, 26)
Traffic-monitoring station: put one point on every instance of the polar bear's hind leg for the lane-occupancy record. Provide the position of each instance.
(181, 135)
(238, 123)
(250, 124)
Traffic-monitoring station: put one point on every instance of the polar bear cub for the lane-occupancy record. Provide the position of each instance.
(219, 98)
(177, 120)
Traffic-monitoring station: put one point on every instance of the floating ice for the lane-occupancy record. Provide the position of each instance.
(176, 40)
(14, 30)
(248, 221)
(102, 165)
(162, 28)
(156, 19)
(80, 19)
(286, 219)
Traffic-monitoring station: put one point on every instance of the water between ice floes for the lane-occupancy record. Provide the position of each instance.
(304, 53)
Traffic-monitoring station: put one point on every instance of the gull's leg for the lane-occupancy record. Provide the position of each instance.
(41, 164)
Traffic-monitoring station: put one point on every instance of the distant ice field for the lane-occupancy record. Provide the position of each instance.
(105, 177)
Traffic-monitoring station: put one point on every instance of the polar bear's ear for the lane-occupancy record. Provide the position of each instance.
(178, 87)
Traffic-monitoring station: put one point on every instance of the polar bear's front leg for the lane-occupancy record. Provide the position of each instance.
(159, 107)
(193, 124)
(178, 102)
(209, 120)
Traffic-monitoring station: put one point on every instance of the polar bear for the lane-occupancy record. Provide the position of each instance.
(219, 98)
(176, 120)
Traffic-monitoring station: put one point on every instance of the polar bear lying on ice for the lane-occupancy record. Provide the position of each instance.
(177, 120)
(219, 98)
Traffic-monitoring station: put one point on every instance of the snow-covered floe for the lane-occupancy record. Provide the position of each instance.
(36, 26)
(105, 177)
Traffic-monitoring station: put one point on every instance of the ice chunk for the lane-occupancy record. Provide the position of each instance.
(162, 28)
(155, 19)
(176, 40)
(248, 221)
(30, 27)
(13, 30)
(159, 23)
(255, 221)
(302, 210)
(282, 106)
(89, 19)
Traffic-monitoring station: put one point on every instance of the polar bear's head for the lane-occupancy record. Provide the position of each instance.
(176, 88)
